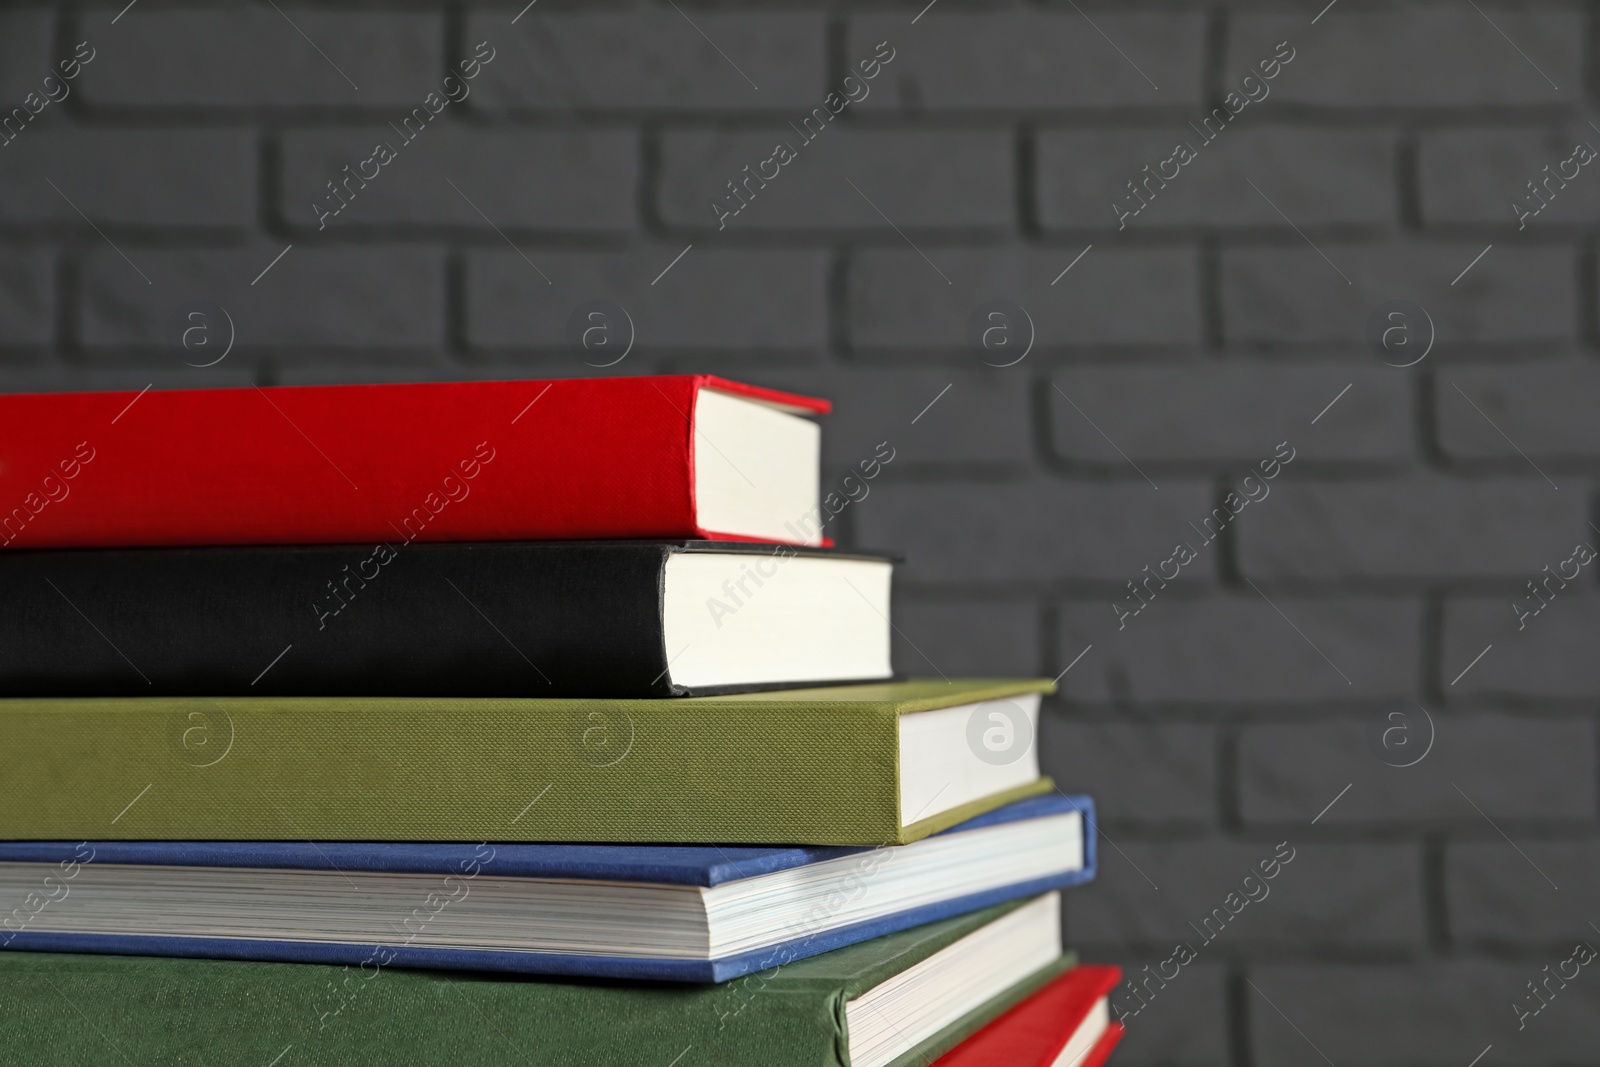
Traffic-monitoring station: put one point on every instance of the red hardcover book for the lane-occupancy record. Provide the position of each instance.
(1065, 1024)
(690, 456)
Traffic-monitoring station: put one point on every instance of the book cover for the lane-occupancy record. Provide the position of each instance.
(1036, 1031)
(436, 461)
(813, 766)
(409, 933)
(544, 619)
(94, 1009)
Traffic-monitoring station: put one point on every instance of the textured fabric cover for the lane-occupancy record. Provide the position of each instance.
(689, 865)
(719, 970)
(813, 766)
(577, 619)
(567, 458)
(61, 1010)
(702, 865)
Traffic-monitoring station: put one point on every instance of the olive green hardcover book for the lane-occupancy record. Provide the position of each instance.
(894, 1001)
(844, 765)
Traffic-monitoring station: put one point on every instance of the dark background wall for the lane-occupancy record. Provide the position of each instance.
(1172, 357)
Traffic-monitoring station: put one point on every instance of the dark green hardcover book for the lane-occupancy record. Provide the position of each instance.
(895, 1001)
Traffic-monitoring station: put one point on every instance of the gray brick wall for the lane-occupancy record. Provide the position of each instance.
(1371, 582)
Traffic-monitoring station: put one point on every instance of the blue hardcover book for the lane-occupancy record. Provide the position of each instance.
(690, 913)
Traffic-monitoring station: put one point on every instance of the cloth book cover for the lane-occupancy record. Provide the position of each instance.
(864, 895)
(847, 765)
(539, 619)
(438, 461)
(69, 1009)
(1037, 1032)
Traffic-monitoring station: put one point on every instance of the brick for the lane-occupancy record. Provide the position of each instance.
(1185, 413)
(338, 297)
(26, 54)
(1316, 177)
(1477, 176)
(1409, 530)
(420, 367)
(1291, 294)
(1240, 650)
(1544, 407)
(960, 532)
(1145, 774)
(982, 418)
(426, 365)
(1549, 658)
(1184, 1025)
(1423, 57)
(653, 60)
(1501, 900)
(920, 179)
(1112, 297)
(1366, 895)
(969, 638)
(959, 61)
(1435, 1014)
(257, 57)
(148, 177)
(711, 299)
(1518, 769)
(519, 179)
(27, 298)
(63, 378)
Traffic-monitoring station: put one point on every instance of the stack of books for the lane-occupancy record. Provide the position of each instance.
(494, 722)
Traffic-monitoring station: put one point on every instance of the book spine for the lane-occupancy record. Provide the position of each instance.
(373, 1012)
(372, 769)
(489, 619)
(460, 461)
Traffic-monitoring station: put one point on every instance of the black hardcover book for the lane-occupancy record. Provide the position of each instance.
(558, 619)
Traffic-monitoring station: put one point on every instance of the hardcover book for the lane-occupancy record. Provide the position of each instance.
(540, 619)
(1065, 1024)
(892, 1001)
(705, 914)
(846, 765)
(686, 456)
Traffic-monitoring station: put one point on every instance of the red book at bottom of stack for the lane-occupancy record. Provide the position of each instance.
(1065, 1024)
